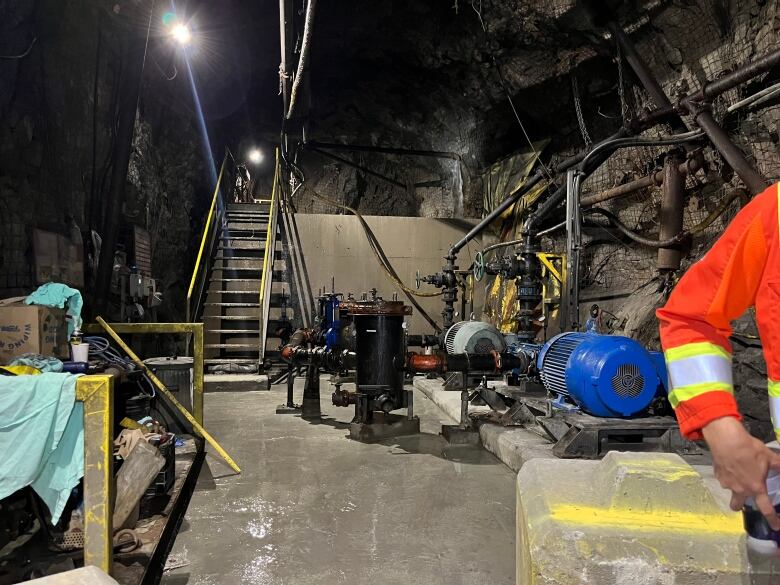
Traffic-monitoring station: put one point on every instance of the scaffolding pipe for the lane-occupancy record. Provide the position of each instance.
(654, 179)
(671, 214)
(741, 75)
(646, 78)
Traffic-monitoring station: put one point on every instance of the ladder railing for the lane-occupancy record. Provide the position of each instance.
(266, 280)
(208, 241)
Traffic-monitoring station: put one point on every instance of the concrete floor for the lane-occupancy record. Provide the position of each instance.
(313, 506)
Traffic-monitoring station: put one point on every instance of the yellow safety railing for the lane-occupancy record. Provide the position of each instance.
(211, 221)
(97, 394)
(194, 330)
(268, 260)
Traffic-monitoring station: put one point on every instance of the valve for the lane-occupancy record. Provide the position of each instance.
(479, 267)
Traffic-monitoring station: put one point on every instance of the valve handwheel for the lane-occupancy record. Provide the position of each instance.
(479, 267)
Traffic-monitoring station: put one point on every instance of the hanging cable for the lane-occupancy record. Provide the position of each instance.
(21, 55)
(303, 61)
(504, 87)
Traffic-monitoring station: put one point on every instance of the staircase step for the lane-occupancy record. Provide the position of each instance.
(231, 304)
(257, 280)
(235, 269)
(238, 257)
(241, 238)
(250, 346)
(234, 331)
(233, 317)
(245, 206)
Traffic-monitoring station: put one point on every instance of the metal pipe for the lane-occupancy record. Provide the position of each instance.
(654, 179)
(383, 149)
(741, 75)
(570, 303)
(731, 153)
(671, 214)
(645, 77)
(357, 166)
(496, 213)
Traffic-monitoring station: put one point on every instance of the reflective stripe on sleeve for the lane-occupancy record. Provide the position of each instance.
(694, 350)
(700, 369)
(693, 390)
(773, 387)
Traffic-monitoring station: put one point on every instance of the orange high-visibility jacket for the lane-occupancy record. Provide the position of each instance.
(741, 270)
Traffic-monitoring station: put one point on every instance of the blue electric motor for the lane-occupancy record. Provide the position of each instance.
(605, 375)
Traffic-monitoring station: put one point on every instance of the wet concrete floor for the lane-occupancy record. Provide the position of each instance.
(314, 507)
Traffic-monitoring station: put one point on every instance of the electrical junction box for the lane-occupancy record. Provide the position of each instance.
(31, 329)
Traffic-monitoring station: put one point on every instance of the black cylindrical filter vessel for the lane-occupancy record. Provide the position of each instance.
(379, 348)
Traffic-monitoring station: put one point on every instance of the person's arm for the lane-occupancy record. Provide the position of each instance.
(695, 330)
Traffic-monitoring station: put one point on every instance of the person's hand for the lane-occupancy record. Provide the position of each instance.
(741, 465)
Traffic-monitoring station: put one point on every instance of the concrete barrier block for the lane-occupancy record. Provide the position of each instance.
(631, 518)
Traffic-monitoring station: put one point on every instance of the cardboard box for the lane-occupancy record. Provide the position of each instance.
(31, 329)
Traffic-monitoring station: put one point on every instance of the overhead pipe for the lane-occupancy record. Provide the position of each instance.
(357, 166)
(742, 74)
(655, 179)
(731, 153)
(383, 150)
(646, 78)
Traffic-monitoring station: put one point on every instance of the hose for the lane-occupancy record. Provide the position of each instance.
(304, 59)
(696, 230)
(384, 262)
(500, 245)
(624, 142)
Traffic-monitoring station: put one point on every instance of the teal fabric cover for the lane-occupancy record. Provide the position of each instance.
(41, 437)
(41, 362)
(55, 294)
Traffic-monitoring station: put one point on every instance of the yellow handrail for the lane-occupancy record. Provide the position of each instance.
(203, 239)
(266, 264)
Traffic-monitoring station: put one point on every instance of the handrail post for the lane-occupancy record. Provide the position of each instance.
(97, 394)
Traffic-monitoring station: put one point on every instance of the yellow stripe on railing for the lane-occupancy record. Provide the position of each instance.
(266, 264)
(204, 238)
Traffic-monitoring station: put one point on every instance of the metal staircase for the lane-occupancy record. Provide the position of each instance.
(237, 279)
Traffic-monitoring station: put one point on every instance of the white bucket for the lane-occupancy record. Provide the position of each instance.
(79, 352)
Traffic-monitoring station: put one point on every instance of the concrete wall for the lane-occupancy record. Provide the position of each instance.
(335, 245)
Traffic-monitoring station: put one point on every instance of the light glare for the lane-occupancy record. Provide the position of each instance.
(255, 156)
(181, 34)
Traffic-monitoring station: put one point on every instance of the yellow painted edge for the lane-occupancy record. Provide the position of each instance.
(629, 520)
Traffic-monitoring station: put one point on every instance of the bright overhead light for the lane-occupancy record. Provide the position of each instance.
(181, 34)
(255, 156)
